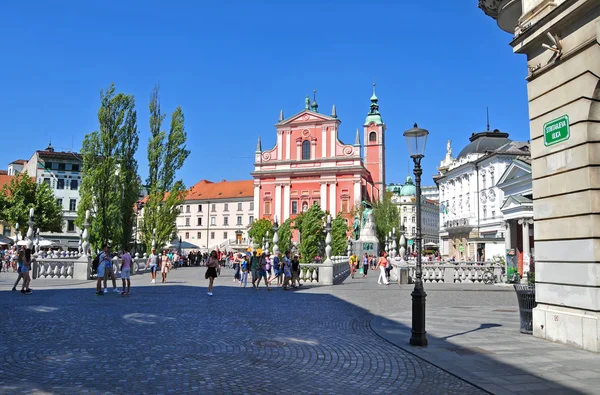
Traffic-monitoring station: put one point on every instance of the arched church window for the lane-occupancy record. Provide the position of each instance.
(372, 136)
(305, 150)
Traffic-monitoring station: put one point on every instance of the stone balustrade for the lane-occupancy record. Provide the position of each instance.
(53, 268)
(324, 273)
(453, 272)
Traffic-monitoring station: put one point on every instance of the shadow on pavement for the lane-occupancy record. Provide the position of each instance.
(175, 338)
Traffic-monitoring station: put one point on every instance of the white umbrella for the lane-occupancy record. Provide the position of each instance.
(22, 242)
(45, 243)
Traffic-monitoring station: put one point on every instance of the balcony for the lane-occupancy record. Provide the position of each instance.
(458, 225)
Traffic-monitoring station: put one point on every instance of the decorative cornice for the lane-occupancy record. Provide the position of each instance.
(490, 7)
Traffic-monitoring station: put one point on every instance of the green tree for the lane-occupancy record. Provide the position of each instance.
(108, 186)
(258, 231)
(339, 235)
(285, 236)
(312, 236)
(166, 155)
(21, 194)
(386, 216)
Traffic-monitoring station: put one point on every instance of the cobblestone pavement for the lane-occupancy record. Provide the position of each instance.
(173, 338)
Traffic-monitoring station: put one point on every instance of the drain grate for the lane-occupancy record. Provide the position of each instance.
(268, 343)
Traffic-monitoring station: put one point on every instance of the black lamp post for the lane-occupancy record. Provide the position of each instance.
(179, 245)
(416, 138)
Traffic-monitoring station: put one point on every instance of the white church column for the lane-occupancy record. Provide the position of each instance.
(288, 144)
(323, 195)
(279, 145)
(357, 194)
(277, 211)
(333, 199)
(324, 142)
(256, 212)
(332, 139)
(313, 150)
(286, 202)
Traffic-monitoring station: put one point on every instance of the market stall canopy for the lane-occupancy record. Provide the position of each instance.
(184, 245)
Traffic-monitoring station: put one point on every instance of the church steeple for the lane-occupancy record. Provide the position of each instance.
(374, 115)
(357, 140)
(258, 145)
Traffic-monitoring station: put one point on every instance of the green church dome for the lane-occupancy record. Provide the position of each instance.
(409, 188)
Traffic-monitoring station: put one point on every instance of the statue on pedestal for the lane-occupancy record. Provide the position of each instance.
(367, 211)
(356, 227)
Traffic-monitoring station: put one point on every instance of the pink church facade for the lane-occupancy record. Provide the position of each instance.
(309, 164)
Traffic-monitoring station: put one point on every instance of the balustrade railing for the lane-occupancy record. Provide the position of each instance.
(320, 273)
(53, 268)
(457, 272)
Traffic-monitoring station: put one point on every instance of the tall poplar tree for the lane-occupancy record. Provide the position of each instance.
(166, 155)
(109, 188)
(339, 235)
(386, 216)
(312, 235)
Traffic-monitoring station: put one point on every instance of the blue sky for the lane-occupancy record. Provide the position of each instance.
(233, 65)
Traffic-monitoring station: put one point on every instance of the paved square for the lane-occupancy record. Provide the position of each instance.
(173, 338)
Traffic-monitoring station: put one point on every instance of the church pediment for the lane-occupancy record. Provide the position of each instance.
(306, 116)
(516, 201)
(516, 171)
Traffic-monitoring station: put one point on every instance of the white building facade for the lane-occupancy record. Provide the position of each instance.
(404, 196)
(217, 215)
(62, 172)
(471, 221)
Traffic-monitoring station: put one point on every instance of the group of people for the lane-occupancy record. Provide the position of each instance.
(369, 261)
(282, 269)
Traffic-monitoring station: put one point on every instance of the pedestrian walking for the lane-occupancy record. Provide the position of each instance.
(382, 264)
(103, 259)
(245, 269)
(20, 258)
(165, 264)
(153, 264)
(211, 270)
(262, 271)
(365, 263)
(254, 260)
(352, 263)
(126, 272)
(296, 271)
(109, 272)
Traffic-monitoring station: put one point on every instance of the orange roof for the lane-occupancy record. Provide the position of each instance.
(3, 172)
(205, 190)
(19, 162)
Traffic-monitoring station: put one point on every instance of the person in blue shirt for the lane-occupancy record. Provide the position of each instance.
(109, 271)
(104, 256)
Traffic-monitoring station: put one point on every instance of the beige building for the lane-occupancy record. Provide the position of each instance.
(404, 197)
(560, 39)
(217, 214)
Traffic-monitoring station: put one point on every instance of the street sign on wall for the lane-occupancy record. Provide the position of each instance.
(556, 131)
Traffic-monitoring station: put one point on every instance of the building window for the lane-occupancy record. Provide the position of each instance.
(187, 222)
(7, 231)
(70, 226)
(226, 207)
(404, 209)
(414, 219)
(373, 137)
(305, 150)
(345, 208)
(181, 209)
(199, 208)
(239, 207)
(294, 207)
(493, 214)
(267, 208)
(212, 235)
(72, 204)
(414, 209)
(251, 219)
(213, 220)
(48, 165)
(74, 167)
(239, 220)
(47, 181)
(187, 235)
(225, 235)
(61, 166)
(199, 235)
(414, 230)
(59, 203)
(74, 185)
(60, 183)
(199, 221)
(213, 207)
(482, 180)
(226, 221)
(251, 206)
(187, 208)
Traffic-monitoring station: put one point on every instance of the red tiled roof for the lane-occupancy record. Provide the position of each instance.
(205, 190)
(3, 172)
(60, 155)
(19, 162)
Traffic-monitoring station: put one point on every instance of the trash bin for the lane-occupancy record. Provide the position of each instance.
(526, 298)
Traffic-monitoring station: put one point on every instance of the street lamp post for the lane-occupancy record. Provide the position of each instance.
(416, 138)
(139, 205)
